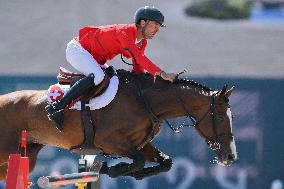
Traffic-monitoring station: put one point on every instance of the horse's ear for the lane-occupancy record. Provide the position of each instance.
(229, 92)
(223, 91)
(226, 92)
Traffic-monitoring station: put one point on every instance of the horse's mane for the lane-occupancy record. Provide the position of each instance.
(125, 75)
(187, 82)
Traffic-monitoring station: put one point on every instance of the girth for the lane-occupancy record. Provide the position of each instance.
(89, 131)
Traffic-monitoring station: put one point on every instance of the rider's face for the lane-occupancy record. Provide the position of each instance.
(150, 28)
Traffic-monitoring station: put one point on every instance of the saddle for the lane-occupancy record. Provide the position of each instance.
(66, 77)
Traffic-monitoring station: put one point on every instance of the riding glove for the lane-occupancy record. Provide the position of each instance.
(167, 76)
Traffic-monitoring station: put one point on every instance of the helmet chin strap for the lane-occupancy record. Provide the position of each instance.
(143, 29)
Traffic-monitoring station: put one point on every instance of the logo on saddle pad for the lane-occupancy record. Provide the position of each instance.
(56, 92)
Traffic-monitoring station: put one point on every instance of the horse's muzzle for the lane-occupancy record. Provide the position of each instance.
(227, 160)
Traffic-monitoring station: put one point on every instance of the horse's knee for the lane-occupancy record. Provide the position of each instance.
(137, 166)
(104, 169)
(138, 162)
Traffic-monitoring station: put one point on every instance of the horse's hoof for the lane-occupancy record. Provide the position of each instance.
(113, 173)
(120, 169)
(104, 169)
(137, 176)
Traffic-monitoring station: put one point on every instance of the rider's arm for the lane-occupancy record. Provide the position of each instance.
(139, 58)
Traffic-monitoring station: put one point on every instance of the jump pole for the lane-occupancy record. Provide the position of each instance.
(78, 179)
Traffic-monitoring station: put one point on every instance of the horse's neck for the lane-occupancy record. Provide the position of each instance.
(169, 100)
(180, 101)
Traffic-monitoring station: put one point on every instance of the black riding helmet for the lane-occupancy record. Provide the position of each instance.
(149, 13)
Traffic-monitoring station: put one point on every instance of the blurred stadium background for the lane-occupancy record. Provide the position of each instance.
(246, 53)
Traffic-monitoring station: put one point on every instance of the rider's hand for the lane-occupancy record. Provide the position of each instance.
(167, 76)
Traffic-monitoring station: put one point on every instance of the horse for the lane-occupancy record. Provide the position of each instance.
(126, 126)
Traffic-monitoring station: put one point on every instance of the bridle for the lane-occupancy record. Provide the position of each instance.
(213, 143)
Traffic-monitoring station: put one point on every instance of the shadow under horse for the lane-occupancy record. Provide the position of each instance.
(125, 127)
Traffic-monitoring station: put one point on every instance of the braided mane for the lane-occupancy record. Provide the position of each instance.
(194, 83)
(146, 76)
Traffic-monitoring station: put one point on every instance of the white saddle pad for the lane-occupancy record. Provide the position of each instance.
(56, 92)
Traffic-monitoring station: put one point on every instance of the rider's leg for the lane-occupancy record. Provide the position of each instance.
(83, 61)
(55, 109)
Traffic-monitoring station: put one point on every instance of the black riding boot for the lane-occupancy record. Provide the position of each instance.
(55, 109)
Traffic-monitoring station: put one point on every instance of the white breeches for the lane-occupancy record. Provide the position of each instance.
(83, 61)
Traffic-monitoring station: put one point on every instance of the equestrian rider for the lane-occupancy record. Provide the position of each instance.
(96, 45)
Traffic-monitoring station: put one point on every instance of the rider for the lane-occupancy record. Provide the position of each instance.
(95, 45)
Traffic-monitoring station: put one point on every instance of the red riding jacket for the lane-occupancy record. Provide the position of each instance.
(105, 42)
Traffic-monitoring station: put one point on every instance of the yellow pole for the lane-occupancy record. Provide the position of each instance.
(81, 185)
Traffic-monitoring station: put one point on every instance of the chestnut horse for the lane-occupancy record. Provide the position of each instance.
(126, 126)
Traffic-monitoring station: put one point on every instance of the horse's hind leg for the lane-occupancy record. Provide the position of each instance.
(153, 154)
(32, 151)
(3, 171)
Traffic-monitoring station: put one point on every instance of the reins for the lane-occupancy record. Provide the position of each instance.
(131, 53)
(214, 143)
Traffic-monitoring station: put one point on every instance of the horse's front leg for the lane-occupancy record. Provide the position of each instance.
(153, 154)
(123, 169)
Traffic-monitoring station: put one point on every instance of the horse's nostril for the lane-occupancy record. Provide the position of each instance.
(231, 157)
